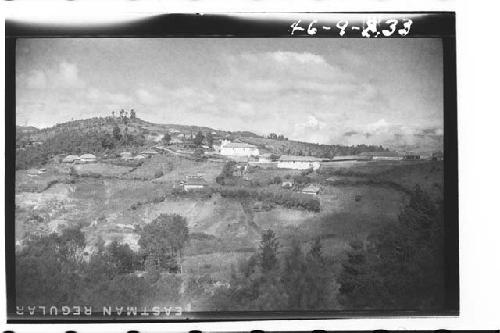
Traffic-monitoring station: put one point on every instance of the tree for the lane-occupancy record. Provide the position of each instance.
(198, 139)
(166, 139)
(199, 154)
(210, 139)
(269, 250)
(132, 114)
(107, 141)
(163, 240)
(117, 133)
(121, 257)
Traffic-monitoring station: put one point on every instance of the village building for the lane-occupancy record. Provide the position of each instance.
(437, 156)
(126, 155)
(411, 157)
(139, 157)
(193, 183)
(383, 155)
(265, 158)
(288, 183)
(238, 149)
(299, 162)
(71, 159)
(311, 189)
(87, 158)
(149, 153)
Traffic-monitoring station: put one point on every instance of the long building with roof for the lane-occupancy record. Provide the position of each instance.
(238, 149)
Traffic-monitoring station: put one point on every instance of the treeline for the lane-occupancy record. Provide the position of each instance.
(283, 146)
(286, 199)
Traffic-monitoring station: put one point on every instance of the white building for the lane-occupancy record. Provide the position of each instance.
(311, 189)
(71, 159)
(299, 162)
(193, 183)
(238, 149)
(87, 158)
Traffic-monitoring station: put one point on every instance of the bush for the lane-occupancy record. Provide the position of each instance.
(276, 180)
(158, 173)
(284, 198)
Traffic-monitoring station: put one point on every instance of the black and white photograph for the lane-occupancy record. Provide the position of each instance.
(172, 178)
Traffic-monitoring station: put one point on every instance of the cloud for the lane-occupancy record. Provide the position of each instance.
(147, 97)
(36, 80)
(64, 76)
(102, 96)
(292, 58)
(68, 75)
(351, 133)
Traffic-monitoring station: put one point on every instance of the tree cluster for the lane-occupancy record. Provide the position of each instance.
(402, 265)
(54, 270)
(270, 280)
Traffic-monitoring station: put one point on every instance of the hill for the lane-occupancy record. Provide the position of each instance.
(112, 134)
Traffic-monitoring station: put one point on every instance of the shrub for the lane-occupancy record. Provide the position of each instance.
(158, 173)
(284, 198)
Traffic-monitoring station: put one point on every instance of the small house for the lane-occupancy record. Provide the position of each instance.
(139, 157)
(149, 153)
(265, 158)
(311, 189)
(193, 183)
(126, 155)
(437, 156)
(88, 158)
(287, 183)
(71, 159)
(411, 157)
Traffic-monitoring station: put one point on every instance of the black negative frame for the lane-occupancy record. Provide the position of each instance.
(428, 24)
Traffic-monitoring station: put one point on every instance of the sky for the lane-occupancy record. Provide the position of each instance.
(329, 91)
